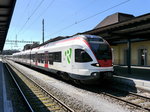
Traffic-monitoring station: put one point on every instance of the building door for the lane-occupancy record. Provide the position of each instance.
(142, 57)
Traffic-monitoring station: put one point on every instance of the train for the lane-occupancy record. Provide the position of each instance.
(81, 58)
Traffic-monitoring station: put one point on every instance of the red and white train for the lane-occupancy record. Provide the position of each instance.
(81, 57)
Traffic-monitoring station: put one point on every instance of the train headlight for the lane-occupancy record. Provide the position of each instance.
(94, 74)
(95, 64)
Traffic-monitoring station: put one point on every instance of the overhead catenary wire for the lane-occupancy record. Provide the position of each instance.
(42, 13)
(38, 6)
(76, 12)
(23, 12)
(77, 22)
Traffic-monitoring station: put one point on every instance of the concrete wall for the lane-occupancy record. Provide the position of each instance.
(119, 50)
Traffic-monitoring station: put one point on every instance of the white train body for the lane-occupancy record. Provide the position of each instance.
(75, 57)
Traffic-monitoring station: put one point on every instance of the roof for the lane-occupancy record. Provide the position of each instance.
(114, 18)
(6, 11)
(137, 28)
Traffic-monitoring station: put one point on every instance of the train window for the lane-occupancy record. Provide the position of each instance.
(28, 56)
(101, 50)
(39, 58)
(57, 56)
(42, 58)
(33, 57)
(82, 56)
(51, 58)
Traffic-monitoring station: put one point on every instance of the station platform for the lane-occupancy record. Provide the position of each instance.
(1, 87)
(139, 77)
(4, 103)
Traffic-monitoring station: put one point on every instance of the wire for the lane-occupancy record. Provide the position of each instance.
(103, 11)
(25, 9)
(76, 12)
(42, 13)
(77, 22)
(31, 15)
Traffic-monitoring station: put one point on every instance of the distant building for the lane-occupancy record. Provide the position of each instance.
(9, 52)
(30, 46)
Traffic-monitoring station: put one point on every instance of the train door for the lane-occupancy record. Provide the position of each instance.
(30, 58)
(36, 58)
(46, 59)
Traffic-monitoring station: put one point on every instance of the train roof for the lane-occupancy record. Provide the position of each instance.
(66, 37)
(60, 38)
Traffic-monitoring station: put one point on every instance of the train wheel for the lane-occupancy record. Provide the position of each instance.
(78, 82)
(65, 76)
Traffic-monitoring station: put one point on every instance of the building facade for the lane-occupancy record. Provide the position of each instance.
(140, 53)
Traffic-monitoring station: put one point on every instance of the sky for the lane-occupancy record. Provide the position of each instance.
(64, 17)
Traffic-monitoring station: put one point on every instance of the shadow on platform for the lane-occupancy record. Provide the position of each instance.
(141, 73)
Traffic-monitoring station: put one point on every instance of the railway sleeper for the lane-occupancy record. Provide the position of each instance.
(137, 101)
(46, 101)
(40, 96)
(129, 98)
(44, 98)
(50, 104)
(55, 109)
(147, 106)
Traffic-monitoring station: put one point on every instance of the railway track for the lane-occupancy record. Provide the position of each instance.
(130, 98)
(37, 98)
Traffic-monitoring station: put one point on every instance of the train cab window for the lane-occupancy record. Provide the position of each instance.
(82, 56)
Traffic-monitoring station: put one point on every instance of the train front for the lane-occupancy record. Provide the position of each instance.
(103, 55)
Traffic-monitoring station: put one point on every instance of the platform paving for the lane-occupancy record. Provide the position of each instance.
(5, 105)
(139, 77)
(1, 88)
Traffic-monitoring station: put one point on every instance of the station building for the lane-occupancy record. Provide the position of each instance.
(129, 37)
(140, 53)
(140, 49)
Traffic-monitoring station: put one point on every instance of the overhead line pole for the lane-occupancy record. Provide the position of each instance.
(43, 30)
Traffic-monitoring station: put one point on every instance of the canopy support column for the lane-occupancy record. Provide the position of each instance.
(129, 56)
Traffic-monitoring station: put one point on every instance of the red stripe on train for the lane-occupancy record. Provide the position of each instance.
(105, 63)
(46, 65)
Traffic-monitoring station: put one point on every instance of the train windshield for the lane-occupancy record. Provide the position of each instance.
(101, 50)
